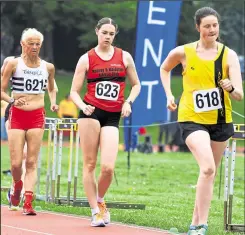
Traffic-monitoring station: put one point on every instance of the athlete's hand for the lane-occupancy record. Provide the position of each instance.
(20, 101)
(226, 84)
(54, 107)
(88, 110)
(171, 103)
(126, 109)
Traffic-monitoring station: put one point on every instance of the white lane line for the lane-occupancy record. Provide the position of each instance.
(23, 229)
(114, 223)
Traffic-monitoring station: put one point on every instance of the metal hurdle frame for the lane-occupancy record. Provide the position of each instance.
(53, 177)
(229, 180)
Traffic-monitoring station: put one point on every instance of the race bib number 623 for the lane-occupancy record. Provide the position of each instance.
(206, 100)
(107, 90)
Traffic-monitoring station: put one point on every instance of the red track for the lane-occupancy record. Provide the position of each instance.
(48, 223)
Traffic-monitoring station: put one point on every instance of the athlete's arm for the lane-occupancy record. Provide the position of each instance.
(235, 75)
(78, 80)
(51, 87)
(174, 58)
(6, 60)
(55, 86)
(132, 76)
(7, 74)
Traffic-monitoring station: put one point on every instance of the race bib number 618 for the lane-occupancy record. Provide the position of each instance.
(107, 90)
(206, 100)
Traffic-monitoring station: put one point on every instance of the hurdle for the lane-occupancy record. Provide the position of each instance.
(230, 178)
(55, 128)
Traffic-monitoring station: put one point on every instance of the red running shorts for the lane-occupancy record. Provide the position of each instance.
(25, 120)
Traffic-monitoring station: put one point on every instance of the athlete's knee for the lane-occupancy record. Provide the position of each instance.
(89, 166)
(107, 170)
(208, 172)
(31, 165)
(16, 165)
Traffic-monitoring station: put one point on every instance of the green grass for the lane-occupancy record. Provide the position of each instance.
(64, 85)
(163, 182)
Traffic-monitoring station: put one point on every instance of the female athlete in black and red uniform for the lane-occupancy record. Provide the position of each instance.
(105, 68)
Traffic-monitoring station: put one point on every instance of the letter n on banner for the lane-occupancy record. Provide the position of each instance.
(157, 26)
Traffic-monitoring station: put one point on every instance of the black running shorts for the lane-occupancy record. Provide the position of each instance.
(105, 118)
(218, 132)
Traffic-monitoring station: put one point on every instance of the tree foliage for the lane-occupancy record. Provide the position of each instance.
(84, 15)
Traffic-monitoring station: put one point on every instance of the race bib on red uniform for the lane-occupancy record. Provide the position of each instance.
(206, 100)
(107, 90)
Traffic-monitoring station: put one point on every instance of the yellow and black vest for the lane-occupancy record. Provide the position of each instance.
(201, 89)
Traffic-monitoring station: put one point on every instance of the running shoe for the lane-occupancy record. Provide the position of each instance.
(28, 209)
(192, 230)
(16, 196)
(202, 229)
(97, 221)
(104, 212)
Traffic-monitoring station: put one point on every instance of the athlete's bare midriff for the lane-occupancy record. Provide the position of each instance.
(33, 101)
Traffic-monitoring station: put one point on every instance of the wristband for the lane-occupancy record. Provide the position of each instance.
(232, 89)
(130, 102)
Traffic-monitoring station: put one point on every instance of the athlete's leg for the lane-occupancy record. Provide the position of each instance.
(199, 144)
(16, 140)
(89, 130)
(24, 165)
(218, 149)
(109, 141)
(34, 141)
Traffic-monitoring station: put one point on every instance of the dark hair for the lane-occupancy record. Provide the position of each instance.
(106, 20)
(203, 12)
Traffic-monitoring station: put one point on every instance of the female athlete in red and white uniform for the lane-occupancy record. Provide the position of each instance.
(10, 191)
(105, 68)
(30, 78)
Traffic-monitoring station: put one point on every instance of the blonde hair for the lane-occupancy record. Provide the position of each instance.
(29, 32)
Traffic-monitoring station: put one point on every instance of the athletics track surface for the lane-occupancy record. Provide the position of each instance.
(48, 223)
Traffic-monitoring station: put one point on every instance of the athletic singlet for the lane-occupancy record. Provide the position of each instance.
(30, 80)
(203, 100)
(106, 81)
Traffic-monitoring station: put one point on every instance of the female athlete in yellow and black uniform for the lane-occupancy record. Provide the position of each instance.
(211, 76)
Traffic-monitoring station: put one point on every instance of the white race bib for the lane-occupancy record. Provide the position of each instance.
(34, 85)
(107, 90)
(206, 100)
